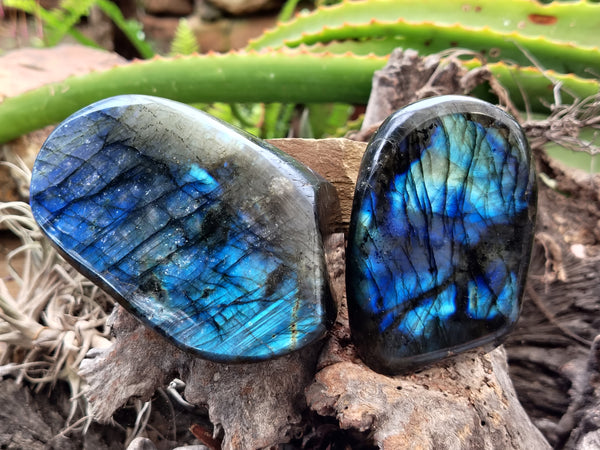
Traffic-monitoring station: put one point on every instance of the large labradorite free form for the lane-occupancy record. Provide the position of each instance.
(440, 234)
(212, 237)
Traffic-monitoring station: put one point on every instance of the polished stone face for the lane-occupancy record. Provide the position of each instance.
(440, 234)
(207, 234)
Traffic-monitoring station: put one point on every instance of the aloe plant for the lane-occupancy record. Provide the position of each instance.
(562, 22)
(535, 47)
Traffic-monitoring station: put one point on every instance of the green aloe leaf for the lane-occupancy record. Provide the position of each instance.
(282, 76)
(570, 22)
(427, 38)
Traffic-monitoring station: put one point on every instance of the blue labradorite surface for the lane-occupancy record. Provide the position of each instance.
(207, 234)
(440, 233)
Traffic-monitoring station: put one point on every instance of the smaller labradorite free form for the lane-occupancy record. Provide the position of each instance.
(440, 234)
(207, 234)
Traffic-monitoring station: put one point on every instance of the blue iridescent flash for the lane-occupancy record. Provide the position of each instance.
(440, 234)
(210, 236)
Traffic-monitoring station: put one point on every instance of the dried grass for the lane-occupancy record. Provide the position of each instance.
(564, 125)
(56, 317)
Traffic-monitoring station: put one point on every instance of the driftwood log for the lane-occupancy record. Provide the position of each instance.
(467, 402)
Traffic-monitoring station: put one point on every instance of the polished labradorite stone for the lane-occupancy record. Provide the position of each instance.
(440, 234)
(210, 236)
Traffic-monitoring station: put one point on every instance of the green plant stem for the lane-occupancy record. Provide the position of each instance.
(234, 77)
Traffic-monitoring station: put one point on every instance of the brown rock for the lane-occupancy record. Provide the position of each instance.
(162, 30)
(240, 7)
(214, 36)
(243, 30)
(49, 4)
(169, 7)
(230, 33)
